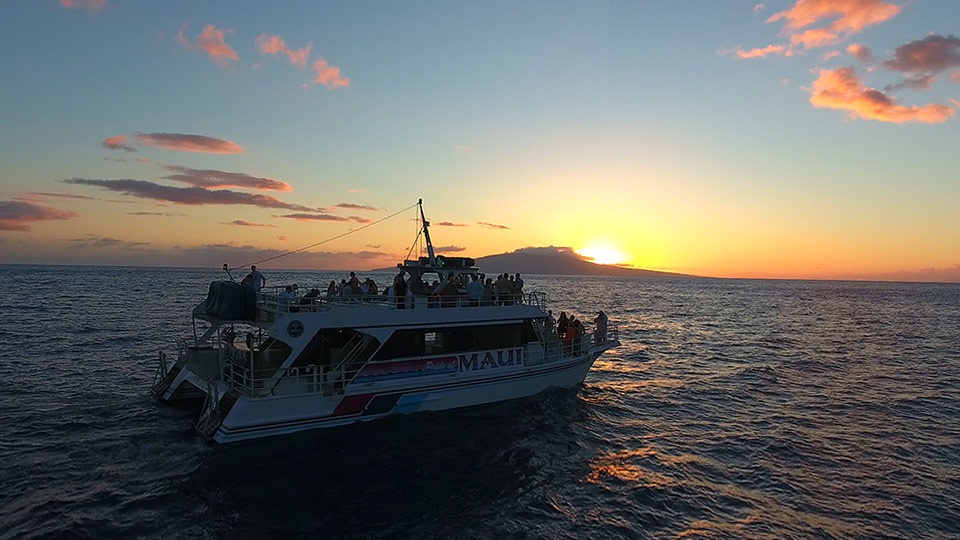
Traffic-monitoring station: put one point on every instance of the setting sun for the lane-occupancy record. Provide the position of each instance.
(602, 254)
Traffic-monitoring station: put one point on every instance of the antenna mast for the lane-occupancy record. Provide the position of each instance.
(426, 234)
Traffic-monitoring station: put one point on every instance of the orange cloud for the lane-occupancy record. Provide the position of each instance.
(212, 42)
(275, 45)
(92, 5)
(207, 178)
(189, 143)
(117, 143)
(18, 215)
(328, 75)
(841, 89)
(765, 51)
(860, 52)
(849, 17)
(800, 23)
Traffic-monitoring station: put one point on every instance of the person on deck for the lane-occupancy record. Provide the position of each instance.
(256, 278)
(600, 334)
(475, 291)
(562, 323)
(400, 290)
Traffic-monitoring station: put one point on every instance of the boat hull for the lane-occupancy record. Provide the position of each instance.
(252, 418)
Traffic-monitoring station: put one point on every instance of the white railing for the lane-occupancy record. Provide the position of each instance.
(272, 303)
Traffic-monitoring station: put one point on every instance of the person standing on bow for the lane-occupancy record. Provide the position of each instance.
(256, 278)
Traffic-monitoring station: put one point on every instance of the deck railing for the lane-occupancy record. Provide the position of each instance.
(272, 302)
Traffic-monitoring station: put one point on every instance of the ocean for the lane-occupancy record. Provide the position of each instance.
(733, 409)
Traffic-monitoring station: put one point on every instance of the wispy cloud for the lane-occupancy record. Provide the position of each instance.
(159, 214)
(841, 89)
(492, 225)
(242, 223)
(117, 142)
(450, 249)
(275, 45)
(328, 75)
(450, 224)
(764, 51)
(326, 217)
(207, 178)
(352, 206)
(189, 143)
(212, 40)
(190, 196)
(95, 241)
(92, 5)
(463, 149)
(19, 215)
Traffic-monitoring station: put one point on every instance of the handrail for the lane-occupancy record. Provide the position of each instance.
(271, 302)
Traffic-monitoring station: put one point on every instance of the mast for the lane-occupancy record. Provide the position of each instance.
(426, 234)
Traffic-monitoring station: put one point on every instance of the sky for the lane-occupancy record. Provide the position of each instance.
(799, 139)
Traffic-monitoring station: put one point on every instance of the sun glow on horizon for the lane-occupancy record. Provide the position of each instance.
(603, 254)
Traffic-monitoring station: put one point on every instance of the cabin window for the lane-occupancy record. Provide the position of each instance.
(435, 341)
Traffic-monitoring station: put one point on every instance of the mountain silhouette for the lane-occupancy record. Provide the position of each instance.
(557, 261)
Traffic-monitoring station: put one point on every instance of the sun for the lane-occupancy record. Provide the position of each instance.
(601, 254)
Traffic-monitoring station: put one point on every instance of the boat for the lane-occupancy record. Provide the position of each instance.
(269, 363)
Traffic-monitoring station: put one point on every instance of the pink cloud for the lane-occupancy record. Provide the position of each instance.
(492, 225)
(328, 75)
(18, 215)
(189, 143)
(811, 24)
(450, 224)
(117, 142)
(189, 196)
(92, 5)
(841, 89)
(326, 217)
(765, 51)
(860, 52)
(848, 16)
(212, 41)
(208, 179)
(275, 45)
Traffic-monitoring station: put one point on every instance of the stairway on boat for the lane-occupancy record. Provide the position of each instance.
(215, 410)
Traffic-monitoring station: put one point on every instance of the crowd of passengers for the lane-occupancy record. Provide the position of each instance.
(462, 290)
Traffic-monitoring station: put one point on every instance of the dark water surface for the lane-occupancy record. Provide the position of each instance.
(735, 409)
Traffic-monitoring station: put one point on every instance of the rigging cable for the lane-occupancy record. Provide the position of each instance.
(351, 231)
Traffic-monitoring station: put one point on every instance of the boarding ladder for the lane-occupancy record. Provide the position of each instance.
(165, 375)
(215, 409)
